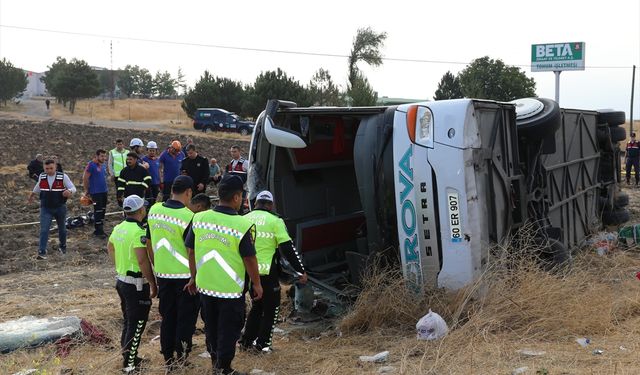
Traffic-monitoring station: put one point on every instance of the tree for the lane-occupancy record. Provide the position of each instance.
(128, 81)
(146, 84)
(72, 81)
(49, 78)
(448, 88)
(485, 78)
(274, 85)
(180, 82)
(165, 85)
(215, 92)
(322, 90)
(13, 81)
(366, 47)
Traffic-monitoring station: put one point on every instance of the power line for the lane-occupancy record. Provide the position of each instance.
(266, 50)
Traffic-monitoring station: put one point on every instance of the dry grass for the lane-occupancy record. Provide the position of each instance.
(127, 109)
(515, 305)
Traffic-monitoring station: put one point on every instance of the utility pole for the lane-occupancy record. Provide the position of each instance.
(633, 85)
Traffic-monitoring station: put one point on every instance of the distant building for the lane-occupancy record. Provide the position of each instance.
(35, 87)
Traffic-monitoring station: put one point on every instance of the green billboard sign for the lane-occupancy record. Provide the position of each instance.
(557, 57)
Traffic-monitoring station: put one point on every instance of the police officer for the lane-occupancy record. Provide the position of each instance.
(167, 225)
(633, 158)
(135, 282)
(271, 233)
(221, 243)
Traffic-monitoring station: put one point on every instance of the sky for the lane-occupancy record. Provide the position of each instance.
(443, 35)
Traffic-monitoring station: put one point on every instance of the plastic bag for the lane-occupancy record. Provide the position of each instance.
(431, 327)
(630, 234)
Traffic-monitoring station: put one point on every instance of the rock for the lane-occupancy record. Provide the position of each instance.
(520, 370)
(204, 355)
(531, 353)
(378, 358)
(256, 371)
(386, 369)
(26, 372)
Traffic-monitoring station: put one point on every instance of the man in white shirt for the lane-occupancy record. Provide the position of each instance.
(54, 188)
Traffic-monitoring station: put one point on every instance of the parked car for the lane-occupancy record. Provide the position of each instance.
(216, 119)
(431, 185)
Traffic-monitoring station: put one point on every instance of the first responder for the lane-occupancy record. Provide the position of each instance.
(271, 234)
(221, 242)
(117, 161)
(167, 225)
(135, 283)
(632, 159)
(133, 179)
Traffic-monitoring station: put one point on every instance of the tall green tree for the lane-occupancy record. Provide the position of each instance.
(274, 84)
(13, 81)
(485, 78)
(448, 88)
(366, 48)
(74, 80)
(181, 86)
(146, 84)
(165, 85)
(323, 91)
(128, 81)
(216, 92)
(50, 77)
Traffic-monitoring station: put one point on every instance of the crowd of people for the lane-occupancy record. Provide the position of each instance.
(196, 259)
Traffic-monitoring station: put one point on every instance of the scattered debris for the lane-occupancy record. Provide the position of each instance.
(629, 234)
(30, 331)
(531, 353)
(204, 355)
(583, 341)
(378, 358)
(431, 327)
(386, 369)
(256, 371)
(623, 348)
(156, 338)
(279, 331)
(520, 370)
(26, 372)
(603, 242)
(598, 351)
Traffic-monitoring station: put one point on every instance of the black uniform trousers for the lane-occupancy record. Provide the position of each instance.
(166, 190)
(223, 321)
(152, 194)
(99, 208)
(263, 315)
(179, 311)
(635, 163)
(135, 307)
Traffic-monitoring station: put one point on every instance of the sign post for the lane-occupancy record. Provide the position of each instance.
(557, 57)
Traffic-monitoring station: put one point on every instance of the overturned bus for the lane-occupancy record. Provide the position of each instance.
(432, 185)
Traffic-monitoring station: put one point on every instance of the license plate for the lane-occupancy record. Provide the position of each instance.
(455, 227)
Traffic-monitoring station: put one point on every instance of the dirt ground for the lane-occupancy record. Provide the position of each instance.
(81, 283)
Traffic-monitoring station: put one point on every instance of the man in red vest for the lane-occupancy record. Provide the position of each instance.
(633, 158)
(54, 188)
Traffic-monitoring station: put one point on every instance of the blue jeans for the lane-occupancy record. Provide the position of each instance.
(46, 215)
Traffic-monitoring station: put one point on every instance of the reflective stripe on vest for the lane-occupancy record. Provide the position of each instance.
(266, 242)
(126, 238)
(119, 160)
(217, 250)
(167, 226)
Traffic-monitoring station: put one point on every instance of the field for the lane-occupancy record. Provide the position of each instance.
(165, 110)
(515, 307)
